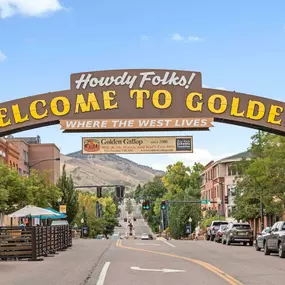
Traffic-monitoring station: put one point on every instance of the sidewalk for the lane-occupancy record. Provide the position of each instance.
(57, 270)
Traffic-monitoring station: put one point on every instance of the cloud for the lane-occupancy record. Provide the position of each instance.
(178, 37)
(199, 155)
(194, 39)
(144, 38)
(2, 55)
(32, 8)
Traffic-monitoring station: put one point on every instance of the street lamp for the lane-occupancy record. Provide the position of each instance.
(44, 160)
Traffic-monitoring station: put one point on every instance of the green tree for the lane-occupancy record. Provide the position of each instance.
(43, 193)
(69, 195)
(263, 178)
(13, 190)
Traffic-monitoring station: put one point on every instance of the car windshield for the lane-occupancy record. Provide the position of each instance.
(222, 227)
(219, 223)
(241, 226)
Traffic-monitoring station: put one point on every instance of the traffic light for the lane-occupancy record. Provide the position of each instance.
(99, 191)
(146, 205)
(122, 191)
(163, 205)
(118, 192)
(226, 200)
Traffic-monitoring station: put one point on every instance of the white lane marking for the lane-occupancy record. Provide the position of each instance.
(164, 270)
(167, 242)
(103, 273)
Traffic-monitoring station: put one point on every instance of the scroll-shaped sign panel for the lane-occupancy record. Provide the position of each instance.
(149, 99)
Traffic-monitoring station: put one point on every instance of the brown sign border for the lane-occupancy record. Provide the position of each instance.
(240, 109)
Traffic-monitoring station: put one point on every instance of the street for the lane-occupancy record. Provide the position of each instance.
(139, 262)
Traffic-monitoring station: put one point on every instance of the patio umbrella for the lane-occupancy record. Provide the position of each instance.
(59, 215)
(32, 211)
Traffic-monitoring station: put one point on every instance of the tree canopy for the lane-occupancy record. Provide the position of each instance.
(263, 179)
(180, 182)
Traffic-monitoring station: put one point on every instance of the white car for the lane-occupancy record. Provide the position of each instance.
(145, 236)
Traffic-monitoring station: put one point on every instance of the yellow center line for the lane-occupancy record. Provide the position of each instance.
(231, 280)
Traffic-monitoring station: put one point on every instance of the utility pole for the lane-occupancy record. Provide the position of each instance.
(261, 198)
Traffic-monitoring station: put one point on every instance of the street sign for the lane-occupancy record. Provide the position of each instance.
(62, 209)
(205, 202)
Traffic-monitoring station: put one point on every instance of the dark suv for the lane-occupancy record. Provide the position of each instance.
(275, 240)
(237, 233)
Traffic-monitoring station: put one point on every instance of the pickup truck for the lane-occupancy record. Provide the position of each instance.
(213, 228)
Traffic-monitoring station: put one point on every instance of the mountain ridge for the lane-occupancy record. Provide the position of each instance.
(106, 169)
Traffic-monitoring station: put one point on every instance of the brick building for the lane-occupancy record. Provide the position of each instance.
(32, 154)
(218, 181)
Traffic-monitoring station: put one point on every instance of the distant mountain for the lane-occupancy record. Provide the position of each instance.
(106, 169)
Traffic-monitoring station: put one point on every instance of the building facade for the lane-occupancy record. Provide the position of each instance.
(219, 181)
(43, 157)
(32, 154)
(23, 149)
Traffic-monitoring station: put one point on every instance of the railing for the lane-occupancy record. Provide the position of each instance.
(33, 242)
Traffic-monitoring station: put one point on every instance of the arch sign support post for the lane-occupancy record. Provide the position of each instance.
(140, 100)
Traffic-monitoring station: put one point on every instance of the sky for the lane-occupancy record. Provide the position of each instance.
(236, 45)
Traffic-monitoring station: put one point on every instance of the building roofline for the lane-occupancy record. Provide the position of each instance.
(17, 140)
(45, 144)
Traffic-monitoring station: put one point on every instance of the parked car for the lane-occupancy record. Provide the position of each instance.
(275, 240)
(213, 228)
(219, 233)
(260, 241)
(145, 236)
(237, 233)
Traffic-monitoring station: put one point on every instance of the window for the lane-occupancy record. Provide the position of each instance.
(25, 157)
(216, 172)
(232, 170)
(241, 226)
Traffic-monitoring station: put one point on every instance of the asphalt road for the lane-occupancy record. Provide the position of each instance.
(137, 262)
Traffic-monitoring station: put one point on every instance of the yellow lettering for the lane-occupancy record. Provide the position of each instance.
(251, 108)
(3, 115)
(190, 99)
(17, 114)
(140, 97)
(234, 110)
(274, 112)
(223, 104)
(108, 98)
(86, 107)
(65, 105)
(167, 99)
(34, 111)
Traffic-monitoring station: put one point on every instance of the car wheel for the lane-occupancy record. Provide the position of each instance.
(212, 238)
(251, 243)
(257, 248)
(266, 250)
(244, 243)
(281, 252)
(207, 237)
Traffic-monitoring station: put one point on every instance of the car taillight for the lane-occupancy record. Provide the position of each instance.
(220, 234)
(213, 228)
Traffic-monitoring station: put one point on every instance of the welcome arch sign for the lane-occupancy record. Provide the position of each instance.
(140, 100)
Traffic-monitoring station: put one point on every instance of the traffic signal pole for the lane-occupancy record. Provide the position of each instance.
(165, 207)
